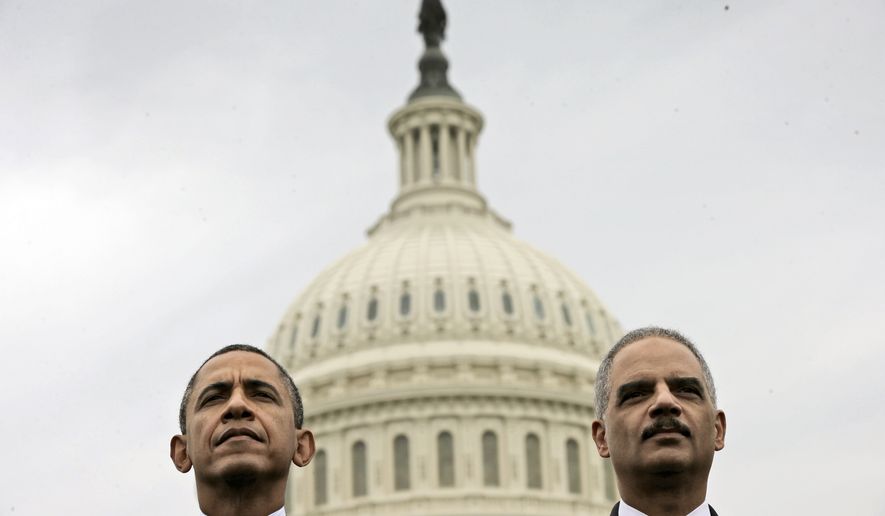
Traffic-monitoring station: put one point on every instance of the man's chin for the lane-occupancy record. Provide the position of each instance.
(239, 470)
(240, 479)
(668, 462)
(242, 469)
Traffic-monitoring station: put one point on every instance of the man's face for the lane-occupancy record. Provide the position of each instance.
(660, 418)
(240, 421)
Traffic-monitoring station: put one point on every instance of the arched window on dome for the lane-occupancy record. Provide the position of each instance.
(507, 302)
(610, 490)
(315, 329)
(538, 305)
(372, 309)
(342, 316)
(320, 488)
(591, 327)
(401, 475)
(566, 314)
(490, 475)
(293, 338)
(573, 466)
(606, 325)
(439, 300)
(359, 471)
(473, 300)
(445, 454)
(405, 304)
(533, 462)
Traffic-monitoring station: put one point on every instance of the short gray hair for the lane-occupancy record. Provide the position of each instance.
(604, 375)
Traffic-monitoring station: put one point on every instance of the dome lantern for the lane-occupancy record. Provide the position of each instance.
(436, 134)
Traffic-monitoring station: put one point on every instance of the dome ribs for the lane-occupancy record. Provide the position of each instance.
(454, 255)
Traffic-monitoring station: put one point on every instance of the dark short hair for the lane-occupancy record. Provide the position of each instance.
(294, 395)
(604, 375)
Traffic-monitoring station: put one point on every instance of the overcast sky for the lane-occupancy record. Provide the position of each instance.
(173, 173)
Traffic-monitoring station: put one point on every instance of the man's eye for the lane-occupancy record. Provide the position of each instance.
(264, 395)
(631, 395)
(689, 390)
(211, 398)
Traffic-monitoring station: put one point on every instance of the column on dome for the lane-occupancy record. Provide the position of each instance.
(444, 165)
(452, 153)
(471, 158)
(408, 158)
(403, 170)
(462, 153)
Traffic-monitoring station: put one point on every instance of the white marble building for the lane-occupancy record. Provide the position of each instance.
(447, 368)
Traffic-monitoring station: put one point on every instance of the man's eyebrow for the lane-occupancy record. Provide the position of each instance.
(641, 385)
(254, 383)
(216, 386)
(688, 381)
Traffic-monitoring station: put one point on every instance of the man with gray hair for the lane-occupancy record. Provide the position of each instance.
(658, 423)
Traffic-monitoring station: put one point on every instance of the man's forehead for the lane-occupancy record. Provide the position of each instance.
(655, 357)
(235, 365)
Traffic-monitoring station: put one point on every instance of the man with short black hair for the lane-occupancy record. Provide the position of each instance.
(658, 423)
(241, 427)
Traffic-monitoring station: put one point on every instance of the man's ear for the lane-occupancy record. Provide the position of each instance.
(719, 425)
(305, 447)
(599, 438)
(178, 452)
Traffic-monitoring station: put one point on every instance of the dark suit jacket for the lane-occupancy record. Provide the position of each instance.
(615, 510)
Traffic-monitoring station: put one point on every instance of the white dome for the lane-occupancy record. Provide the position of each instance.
(442, 274)
(446, 367)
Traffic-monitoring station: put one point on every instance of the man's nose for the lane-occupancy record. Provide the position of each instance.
(665, 403)
(238, 407)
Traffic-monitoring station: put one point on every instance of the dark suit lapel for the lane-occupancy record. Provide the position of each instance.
(712, 512)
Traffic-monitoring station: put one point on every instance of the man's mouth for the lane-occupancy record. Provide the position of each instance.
(237, 432)
(668, 425)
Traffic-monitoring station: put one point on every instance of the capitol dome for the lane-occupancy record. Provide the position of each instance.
(446, 367)
(442, 273)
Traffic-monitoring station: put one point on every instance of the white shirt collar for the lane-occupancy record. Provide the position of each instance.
(625, 510)
(282, 512)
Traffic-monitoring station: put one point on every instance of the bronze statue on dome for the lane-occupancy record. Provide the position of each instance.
(432, 22)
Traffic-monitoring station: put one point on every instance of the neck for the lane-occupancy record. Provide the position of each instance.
(665, 495)
(241, 496)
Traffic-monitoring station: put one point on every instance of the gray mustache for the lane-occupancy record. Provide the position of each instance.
(665, 424)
